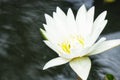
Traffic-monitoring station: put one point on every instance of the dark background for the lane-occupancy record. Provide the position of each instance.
(22, 52)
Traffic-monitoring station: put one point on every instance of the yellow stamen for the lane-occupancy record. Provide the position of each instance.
(81, 40)
(71, 43)
(66, 47)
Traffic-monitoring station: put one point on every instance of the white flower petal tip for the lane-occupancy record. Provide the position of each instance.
(44, 68)
(46, 16)
(104, 13)
(91, 10)
(58, 9)
(55, 62)
(81, 66)
(69, 12)
(101, 17)
(83, 6)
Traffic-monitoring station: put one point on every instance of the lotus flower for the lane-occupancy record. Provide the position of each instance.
(74, 39)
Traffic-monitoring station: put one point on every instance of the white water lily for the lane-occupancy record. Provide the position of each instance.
(74, 39)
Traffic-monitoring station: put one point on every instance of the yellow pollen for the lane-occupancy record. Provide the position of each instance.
(66, 47)
(81, 41)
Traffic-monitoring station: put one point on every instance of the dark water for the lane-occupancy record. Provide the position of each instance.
(22, 52)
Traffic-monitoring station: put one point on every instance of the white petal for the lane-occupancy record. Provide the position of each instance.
(105, 46)
(49, 19)
(81, 20)
(90, 14)
(60, 25)
(101, 40)
(55, 62)
(98, 26)
(50, 28)
(52, 46)
(71, 24)
(79, 53)
(81, 66)
(51, 33)
(97, 31)
(60, 13)
(99, 19)
(89, 20)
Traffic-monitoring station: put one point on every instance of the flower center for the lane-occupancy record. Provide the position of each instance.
(66, 46)
(75, 42)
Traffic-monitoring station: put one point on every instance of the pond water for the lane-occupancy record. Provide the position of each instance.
(22, 52)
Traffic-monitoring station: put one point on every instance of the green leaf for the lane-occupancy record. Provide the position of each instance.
(109, 77)
(43, 33)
